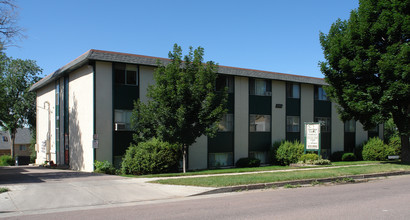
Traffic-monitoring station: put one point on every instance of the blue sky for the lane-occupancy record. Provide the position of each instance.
(272, 35)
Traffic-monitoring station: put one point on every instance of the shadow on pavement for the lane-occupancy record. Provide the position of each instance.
(30, 174)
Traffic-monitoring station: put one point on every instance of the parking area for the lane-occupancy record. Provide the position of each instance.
(38, 189)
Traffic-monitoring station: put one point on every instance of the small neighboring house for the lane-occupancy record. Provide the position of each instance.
(21, 142)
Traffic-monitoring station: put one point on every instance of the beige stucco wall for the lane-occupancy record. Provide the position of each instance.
(198, 154)
(81, 107)
(241, 118)
(44, 117)
(361, 134)
(103, 110)
(306, 111)
(146, 79)
(278, 114)
(337, 131)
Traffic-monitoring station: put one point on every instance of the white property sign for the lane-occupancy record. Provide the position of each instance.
(312, 136)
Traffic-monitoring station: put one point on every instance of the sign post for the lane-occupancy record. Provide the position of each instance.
(312, 136)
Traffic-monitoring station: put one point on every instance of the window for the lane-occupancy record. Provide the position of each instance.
(226, 123)
(375, 129)
(125, 74)
(292, 124)
(23, 148)
(259, 123)
(220, 159)
(324, 123)
(224, 81)
(122, 119)
(350, 126)
(5, 139)
(320, 94)
(293, 90)
(261, 87)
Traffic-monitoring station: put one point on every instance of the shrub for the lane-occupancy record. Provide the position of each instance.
(104, 167)
(337, 156)
(248, 162)
(375, 149)
(6, 160)
(348, 157)
(322, 162)
(272, 152)
(150, 157)
(309, 157)
(289, 152)
(395, 145)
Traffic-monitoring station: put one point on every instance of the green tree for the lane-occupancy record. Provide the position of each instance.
(17, 104)
(183, 103)
(367, 65)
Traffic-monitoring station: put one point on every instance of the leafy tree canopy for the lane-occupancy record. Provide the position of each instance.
(367, 65)
(183, 103)
(17, 103)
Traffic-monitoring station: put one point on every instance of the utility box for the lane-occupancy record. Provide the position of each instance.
(22, 160)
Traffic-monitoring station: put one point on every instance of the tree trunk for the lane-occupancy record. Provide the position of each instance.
(12, 137)
(405, 149)
(184, 159)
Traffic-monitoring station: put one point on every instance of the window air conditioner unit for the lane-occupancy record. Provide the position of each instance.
(268, 93)
(119, 126)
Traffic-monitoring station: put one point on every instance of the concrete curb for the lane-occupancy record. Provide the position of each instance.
(359, 178)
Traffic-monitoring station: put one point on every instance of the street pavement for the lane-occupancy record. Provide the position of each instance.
(384, 198)
(43, 190)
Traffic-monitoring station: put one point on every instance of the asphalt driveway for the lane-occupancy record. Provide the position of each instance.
(37, 189)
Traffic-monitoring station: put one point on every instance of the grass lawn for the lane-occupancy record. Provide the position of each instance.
(250, 169)
(233, 180)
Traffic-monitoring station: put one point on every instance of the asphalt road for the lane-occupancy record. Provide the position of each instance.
(380, 199)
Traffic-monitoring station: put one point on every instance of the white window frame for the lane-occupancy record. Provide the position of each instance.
(292, 123)
(122, 120)
(259, 126)
(325, 123)
(226, 123)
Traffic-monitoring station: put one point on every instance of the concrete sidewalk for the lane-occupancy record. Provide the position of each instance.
(36, 189)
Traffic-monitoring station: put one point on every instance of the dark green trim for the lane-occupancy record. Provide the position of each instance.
(57, 122)
(123, 97)
(322, 108)
(292, 107)
(94, 108)
(259, 141)
(293, 136)
(349, 141)
(222, 142)
(112, 110)
(66, 120)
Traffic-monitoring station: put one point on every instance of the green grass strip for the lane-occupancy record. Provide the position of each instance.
(234, 180)
(249, 169)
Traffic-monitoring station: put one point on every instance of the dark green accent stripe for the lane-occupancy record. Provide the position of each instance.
(322, 108)
(222, 142)
(326, 140)
(259, 141)
(292, 107)
(94, 108)
(293, 136)
(261, 105)
(124, 96)
(349, 141)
